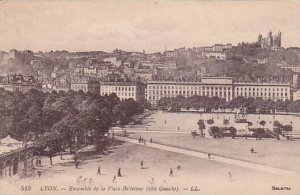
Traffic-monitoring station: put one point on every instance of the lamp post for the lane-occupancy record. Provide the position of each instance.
(25, 149)
(75, 156)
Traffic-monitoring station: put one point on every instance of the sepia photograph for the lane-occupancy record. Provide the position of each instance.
(162, 97)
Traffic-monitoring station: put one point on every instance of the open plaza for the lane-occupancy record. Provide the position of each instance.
(231, 168)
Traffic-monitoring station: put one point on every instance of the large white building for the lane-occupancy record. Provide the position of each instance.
(222, 87)
(209, 86)
(292, 68)
(272, 91)
(124, 90)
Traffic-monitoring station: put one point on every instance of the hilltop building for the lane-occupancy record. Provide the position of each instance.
(272, 42)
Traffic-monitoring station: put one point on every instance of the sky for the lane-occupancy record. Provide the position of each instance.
(133, 25)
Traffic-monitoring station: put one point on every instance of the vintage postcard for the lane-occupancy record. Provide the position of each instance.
(150, 97)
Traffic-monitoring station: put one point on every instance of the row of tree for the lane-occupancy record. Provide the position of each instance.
(63, 119)
(251, 105)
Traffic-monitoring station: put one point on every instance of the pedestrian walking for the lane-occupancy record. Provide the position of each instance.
(114, 179)
(171, 172)
(252, 150)
(152, 181)
(208, 155)
(99, 171)
(119, 173)
(142, 164)
(150, 140)
(230, 176)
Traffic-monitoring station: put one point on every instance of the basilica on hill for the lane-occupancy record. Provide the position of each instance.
(272, 42)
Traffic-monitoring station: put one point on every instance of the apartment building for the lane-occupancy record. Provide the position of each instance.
(222, 87)
(124, 90)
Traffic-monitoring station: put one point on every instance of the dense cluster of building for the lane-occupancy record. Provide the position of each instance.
(144, 76)
(152, 91)
(217, 51)
(18, 82)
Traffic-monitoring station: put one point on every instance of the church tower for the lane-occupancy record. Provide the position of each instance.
(259, 38)
(279, 39)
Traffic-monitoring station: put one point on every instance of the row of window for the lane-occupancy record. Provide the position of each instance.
(219, 88)
(261, 94)
(262, 89)
(131, 94)
(227, 98)
(117, 88)
(219, 93)
(187, 87)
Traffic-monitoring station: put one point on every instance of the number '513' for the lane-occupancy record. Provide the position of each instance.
(25, 188)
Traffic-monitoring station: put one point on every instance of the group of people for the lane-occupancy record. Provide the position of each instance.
(143, 140)
(85, 180)
(119, 175)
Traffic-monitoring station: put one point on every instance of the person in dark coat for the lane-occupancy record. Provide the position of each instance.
(209, 154)
(119, 173)
(171, 173)
(99, 171)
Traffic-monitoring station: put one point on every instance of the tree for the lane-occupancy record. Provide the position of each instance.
(262, 123)
(288, 129)
(210, 121)
(233, 132)
(277, 127)
(214, 131)
(201, 126)
(49, 144)
(225, 122)
(125, 111)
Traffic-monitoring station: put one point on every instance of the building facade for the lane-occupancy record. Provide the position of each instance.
(295, 69)
(19, 83)
(85, 84)
(209, 86)
(222, 87)
(214, 54)
(16, 159)
(124, 90)
(272, 91)
(296, 81)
